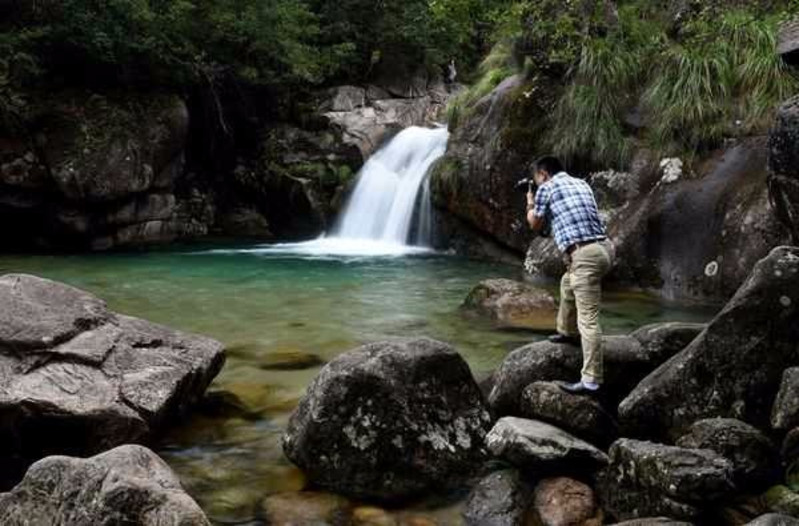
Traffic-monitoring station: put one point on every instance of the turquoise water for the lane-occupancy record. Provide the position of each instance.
(275, 311)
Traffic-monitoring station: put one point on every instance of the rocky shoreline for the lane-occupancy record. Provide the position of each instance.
(698, 426)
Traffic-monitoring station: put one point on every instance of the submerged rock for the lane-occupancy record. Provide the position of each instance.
(734, 367)
(578, 414)
(755, 459)
(512, 304)
(127, 485)
(306, 507)
(389, 420)
(78, 378)
(566, 502)
(646, 479)
(530, 444)
(500, 499)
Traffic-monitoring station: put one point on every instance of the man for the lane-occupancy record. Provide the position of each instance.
(567, 204)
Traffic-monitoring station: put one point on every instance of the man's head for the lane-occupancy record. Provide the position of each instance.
(546, 167)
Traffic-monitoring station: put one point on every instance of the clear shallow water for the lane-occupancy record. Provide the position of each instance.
(276, 306)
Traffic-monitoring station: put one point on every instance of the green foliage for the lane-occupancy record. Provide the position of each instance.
(495, 68)
(590, 114)
(724, 79)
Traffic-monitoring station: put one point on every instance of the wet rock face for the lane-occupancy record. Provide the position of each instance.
(535, 445)
(733, 369)
(127, 485)
(500, 499)
(487, 153)
(101, 173)
(512, 304)
(650, 480)
(389, 420)
(76, 378)
(755, 459)
(783, 180)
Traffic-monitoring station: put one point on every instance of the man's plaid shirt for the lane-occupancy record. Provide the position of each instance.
(568, 204)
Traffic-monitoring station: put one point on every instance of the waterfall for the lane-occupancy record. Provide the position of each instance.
(382, 205)
(391, 201)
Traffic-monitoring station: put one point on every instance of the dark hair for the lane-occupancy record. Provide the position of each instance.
(549, 164)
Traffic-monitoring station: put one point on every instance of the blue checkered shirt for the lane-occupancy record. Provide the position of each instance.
(568, 204)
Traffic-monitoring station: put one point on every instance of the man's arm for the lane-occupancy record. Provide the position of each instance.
(535, 221)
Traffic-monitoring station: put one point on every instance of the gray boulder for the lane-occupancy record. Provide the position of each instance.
(535, 445)
(774, 519)
(127, 485)
(628, 359)
(650, 480)
(580, 415)
(755, 459)
(512, 304)
(500, 499)
(78, 378)
(389, 420)
(785, 413)
(734, 367)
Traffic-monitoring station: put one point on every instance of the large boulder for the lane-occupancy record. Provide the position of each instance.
(102, 172)
(389, 420)
(500, 499)
(754, 457)
(628, 359)
(785, 414)
(733, 369)
(76, 378)
(783, 182)
(487, 152)
(531, 444)
(578, 414)
(650, 480)
(127, 485)
(512, 304)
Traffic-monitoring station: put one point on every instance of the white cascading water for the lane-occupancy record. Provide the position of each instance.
(382, 205)
(379, 217)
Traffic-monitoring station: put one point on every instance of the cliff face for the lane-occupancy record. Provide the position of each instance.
(96, 172)
(93, 171)
(488, 152)
(687, 232)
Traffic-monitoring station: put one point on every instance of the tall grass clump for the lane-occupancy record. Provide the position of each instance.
(724, 80)
(588, 122)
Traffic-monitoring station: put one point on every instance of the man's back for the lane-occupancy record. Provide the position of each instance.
(568, 204)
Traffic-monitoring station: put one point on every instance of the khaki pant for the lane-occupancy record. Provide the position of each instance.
(580, 296)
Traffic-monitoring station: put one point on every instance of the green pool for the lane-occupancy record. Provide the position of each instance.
(280, 315)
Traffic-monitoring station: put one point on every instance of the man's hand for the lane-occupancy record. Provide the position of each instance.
(530, 198)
